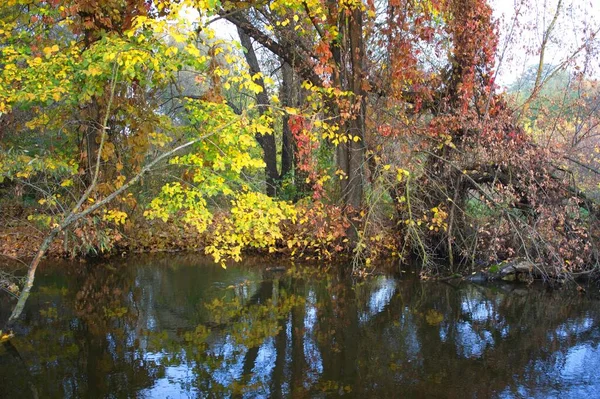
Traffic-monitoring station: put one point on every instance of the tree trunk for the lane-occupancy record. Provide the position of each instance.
(266, 141)
(351, 154)
(356, 149)
(288, 99)
(90, 138)
(18, 309)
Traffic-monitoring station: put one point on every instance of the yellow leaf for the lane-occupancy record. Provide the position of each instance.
(192, 50)
(48, 51)
(94, 71)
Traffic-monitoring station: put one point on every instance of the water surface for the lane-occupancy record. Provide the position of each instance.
(177, 326)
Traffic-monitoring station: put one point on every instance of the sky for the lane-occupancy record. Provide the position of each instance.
(520, 43)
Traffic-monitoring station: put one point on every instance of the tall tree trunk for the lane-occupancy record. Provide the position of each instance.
(89, 143)
(351, 154)
(356, 128)
(292, 95)
(266, 141)
(288, 99)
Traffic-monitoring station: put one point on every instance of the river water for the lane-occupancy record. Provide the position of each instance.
(178, 326)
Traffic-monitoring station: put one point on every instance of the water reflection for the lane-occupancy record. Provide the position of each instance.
(175, 327)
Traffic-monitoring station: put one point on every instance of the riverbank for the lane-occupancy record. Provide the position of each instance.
(314, 239)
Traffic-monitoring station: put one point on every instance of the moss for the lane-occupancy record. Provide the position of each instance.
(495, 268)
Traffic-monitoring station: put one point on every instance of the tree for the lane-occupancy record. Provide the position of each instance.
(335, 48)
(114, 72)
(266, 141)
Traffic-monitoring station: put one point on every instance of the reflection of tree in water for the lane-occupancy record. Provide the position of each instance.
(448, 342)
(80, 333)
(234, 333)
(431, 339)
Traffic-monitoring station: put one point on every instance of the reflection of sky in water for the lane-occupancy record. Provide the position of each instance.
(574, 374)
(472, 343)
(311, 350)
(412, 344)
(569, 374)
(310, 317)
(383, 291)
(477, 309)
(582, 361)
(146, 301)
(396, 345)
(177, 381)
(233, 361)
(472, 338)
(570, 328)
(263, 366)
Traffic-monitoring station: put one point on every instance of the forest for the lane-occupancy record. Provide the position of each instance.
(346, 130)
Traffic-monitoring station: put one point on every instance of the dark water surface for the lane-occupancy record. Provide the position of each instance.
(177, 326)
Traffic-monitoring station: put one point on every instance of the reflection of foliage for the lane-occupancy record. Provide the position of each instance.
(197, 337)
(333, 387)
(292, 335)
(253, 324)
(433, 317)
(101, 297)
(50, 313)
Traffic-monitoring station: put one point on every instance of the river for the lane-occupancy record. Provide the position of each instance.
(178, 326)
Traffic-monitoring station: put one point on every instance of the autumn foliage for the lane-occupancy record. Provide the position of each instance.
(365, 130)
